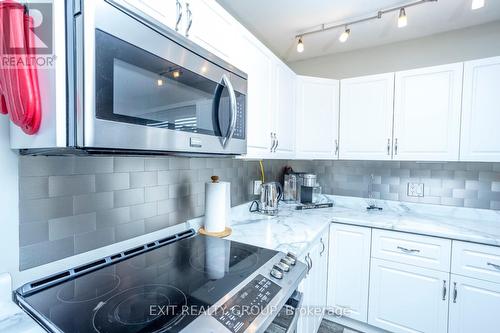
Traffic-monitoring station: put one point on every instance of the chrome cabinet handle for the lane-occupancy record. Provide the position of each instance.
(179, 15)
(277, 142)
(324, 247)
(272, 142)
(190, 19)
(310, 260)
(309, 266)
(405, 250)
(455, 292)
(396, 146)
(497, 267)
(336, 147)
(444, 290)
(389, 147)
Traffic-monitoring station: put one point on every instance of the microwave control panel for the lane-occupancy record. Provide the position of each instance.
(239, 131)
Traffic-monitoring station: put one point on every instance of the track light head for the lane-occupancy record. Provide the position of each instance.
(402, 19)
(477, 4)
(300, 45)
(344, 36)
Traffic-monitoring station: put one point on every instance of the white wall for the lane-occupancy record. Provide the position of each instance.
(456, 46)
(9, 203)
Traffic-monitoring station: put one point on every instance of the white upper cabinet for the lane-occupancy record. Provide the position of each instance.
(481, 111)
(427, 107)
(284, 115)
(366, 111)
(163, 11)
(258, 65)
(212, 28)
(317, 118)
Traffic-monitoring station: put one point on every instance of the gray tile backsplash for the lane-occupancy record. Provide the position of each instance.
(69, 205)
(475, 185)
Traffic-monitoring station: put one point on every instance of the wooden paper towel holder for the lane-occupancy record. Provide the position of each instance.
(221, 234)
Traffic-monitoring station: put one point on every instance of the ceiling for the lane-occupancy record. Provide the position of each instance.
(277, 22)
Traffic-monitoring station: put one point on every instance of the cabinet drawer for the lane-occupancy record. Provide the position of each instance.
(476, 261)
(417, 250)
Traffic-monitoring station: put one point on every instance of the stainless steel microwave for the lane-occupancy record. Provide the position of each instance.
(135, 86)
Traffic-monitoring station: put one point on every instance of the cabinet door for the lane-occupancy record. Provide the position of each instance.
(319, 273)
(427, 109)
(475, 307)
(161, 10)
(349, 270)
(366, 110)
(284, 120)
(317, 118)
(406, 298)
(258, 65)
(481, 111)
(212, 29)
(314, 287)
(306, 322)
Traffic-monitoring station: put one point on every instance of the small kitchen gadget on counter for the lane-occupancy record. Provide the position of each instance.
(309, 189)
(270, 195)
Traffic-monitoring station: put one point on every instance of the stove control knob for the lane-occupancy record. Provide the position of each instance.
(283, 265)
(286, 261)
(277, 272)
(292, 257)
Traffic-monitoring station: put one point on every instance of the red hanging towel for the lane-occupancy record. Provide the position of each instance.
(19, 90)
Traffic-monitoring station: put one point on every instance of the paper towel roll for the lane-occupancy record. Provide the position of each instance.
(217, 206)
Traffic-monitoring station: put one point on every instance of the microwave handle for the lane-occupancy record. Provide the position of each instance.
(232, 99)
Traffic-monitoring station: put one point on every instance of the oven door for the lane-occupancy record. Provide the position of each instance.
(148, 89)
(287, 319)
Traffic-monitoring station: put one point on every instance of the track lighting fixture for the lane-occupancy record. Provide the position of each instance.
(402, 19)
(300, 45)
(476, 4)
(344, 36)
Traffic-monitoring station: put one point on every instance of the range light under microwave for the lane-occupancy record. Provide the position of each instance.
(125, 83)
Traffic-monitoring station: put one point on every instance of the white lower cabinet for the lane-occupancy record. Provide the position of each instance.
(349, 270)
(474, 306)
(406, 298)
(314, 286)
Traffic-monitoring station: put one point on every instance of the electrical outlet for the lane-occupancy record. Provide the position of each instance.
(415, 190)
(256, 187)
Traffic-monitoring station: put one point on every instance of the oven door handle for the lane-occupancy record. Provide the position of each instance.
(234, 110)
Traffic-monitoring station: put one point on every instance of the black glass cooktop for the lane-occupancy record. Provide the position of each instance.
(148, 292)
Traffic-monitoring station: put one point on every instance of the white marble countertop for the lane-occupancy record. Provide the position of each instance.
(293, 230)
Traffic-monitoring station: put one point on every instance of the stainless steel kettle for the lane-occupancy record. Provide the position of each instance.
(270, 194)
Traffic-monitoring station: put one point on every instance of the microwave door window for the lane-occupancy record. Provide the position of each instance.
(164, 100)
(137, 87)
